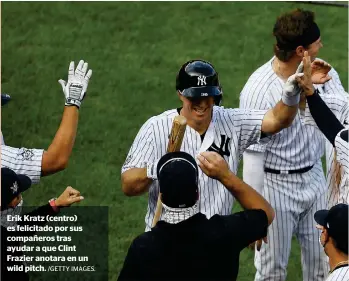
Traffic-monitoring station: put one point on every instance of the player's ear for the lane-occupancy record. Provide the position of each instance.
(300, 51)
(325, 235)
(180, 96)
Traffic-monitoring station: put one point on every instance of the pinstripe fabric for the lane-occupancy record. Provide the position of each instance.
(340, 274)
(242, 127)
(294, 197)
(338, 102)
(22, 161)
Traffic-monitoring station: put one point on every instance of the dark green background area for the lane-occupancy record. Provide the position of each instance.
(135, 50)
(90, 242)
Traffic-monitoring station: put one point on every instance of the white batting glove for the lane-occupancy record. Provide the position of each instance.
(291, 91)
(75, 90)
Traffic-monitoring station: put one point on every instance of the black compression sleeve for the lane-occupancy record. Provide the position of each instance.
(324, 117)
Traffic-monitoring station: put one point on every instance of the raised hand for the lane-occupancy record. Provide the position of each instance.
(75, 89)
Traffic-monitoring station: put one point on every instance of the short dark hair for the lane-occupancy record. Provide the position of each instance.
(288, 28)
(339, 244)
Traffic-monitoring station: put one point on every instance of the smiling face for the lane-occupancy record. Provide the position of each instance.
(197, 110)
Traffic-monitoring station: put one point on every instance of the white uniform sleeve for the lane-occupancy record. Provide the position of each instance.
(23, 161)
(335, 84)
(142, 149)
(252, 97)
(342, 150)
(253, 169)
(248, 124)
(338, 102)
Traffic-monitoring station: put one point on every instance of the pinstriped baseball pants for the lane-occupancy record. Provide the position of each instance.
(295, 198)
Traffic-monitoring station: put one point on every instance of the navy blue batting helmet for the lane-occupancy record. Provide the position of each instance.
(198, 78)
(5, 98)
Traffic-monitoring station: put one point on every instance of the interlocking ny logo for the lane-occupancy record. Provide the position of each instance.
(201, 80)
(223, 148)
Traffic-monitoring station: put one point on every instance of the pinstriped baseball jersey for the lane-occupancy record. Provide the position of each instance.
(295, 147)
(229, 133)
(338, 103)
(340, 274)
(342, 150)
(22, 161)
(294, 197)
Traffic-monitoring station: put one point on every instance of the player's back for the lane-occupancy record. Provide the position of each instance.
(195, 249)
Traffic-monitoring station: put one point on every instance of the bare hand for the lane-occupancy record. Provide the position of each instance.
(258, 243)
(319, 72)
(68, 197)
(305, 81)
(213, 165)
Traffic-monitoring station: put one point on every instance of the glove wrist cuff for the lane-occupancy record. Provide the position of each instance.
(69, 102)
(290, 100)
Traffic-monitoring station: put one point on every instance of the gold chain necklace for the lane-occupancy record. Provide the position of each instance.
(338, 264)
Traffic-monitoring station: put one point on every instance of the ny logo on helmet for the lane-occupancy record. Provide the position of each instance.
(201, 80)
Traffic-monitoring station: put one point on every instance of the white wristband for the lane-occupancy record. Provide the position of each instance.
(151, 170)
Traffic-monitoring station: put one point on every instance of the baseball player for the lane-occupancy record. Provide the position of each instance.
(290, 175)
(330, 118)
(209, 128)
(36, 163)
(333, 224)
(175, 245)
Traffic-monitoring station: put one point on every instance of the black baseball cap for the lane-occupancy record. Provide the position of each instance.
(335, 221)
(12, 185)
(5, 98)
(178, 179)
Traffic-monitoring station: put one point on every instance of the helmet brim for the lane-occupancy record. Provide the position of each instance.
(198, 92)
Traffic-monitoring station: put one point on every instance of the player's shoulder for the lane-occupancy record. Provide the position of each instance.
(260, 80)
(221, 112)
(263, 72)
(166, 115)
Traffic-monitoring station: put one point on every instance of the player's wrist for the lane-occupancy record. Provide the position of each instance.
(72, 102)
(290, 100)
(53, 203)
(151, 170)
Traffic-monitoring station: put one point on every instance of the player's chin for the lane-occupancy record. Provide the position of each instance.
(201, 114)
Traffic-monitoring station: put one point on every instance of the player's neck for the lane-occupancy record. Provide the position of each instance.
(336, 258)
(285, 69)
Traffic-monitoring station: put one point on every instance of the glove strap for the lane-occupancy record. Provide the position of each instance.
(70, 102)
(291, 100)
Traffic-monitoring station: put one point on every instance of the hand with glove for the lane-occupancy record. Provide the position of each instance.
(75, 89)
(291, 91)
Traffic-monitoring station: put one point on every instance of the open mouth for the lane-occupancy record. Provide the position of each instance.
(200, 111)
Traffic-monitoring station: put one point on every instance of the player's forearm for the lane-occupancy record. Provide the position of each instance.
(57, 155)
(324, 117)
(247, 196)
(279, 117)
(135, 181)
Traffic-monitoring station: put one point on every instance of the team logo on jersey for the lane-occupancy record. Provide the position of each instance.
(201, 80)
(223, 148)
(26, 154)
